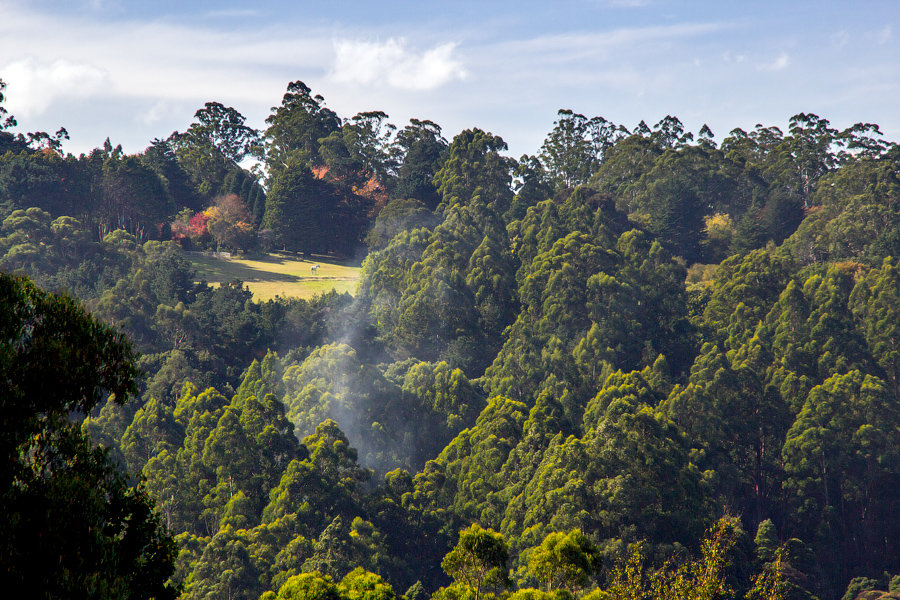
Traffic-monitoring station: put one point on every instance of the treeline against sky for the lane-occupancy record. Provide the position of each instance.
(636, 364)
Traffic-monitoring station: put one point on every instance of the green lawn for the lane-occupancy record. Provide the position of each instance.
(276, 275)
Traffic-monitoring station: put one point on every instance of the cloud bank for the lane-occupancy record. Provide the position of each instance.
(33, 84)
(779, 64)
(138, 74)
(392, 63)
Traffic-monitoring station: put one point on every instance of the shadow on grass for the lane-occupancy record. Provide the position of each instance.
(331, 259)
(215, 270)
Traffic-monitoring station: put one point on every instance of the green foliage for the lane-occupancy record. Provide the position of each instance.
(421, 150)
(463, 481)
(399, 215)
(474, 167)
(359, 152)
(564, 561)
(856, 215)
(447, 394)
(333, 553)
(842, 463)
(295, 208)
(766, 541)
(875, 300)
(308, 586)
(65, 507)
(225, 569)
(478, 561)
(451, 293)
(332, 383)
(590, 299)
(360, 584)
(152, 428)
(628, 478)
(296, 127)
(572, 152)
(704, 577)
(858, 585)
(738, 423)
(324, 484)
(523, 353)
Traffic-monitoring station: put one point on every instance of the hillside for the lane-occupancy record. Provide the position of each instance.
(524, 397)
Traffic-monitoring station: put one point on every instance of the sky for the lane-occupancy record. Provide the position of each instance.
(135, 70)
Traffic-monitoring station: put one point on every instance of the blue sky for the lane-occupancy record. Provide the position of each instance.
(134, 70)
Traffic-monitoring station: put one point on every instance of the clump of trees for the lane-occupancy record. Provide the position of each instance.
(557, 375)
(71, 522)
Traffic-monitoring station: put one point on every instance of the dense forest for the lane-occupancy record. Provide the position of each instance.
(637, 364)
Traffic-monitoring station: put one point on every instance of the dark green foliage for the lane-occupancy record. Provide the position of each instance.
(296, 127)
(66, 511)
(332, 383)
(132, 198)
(321, 486)
(474, 167)
(72, 523)
(523, 353)
(160, 156)
(332, 552)
(634, 481)
(399, 215)
(574, 149)
(296, 209)
(225, 569)
(857, 586)
(591, 299)
(447, 294)
(463, 482)
(422, 150)
(60, 254)
(45, 180)
(875, 300)
(745, 288)
(842, 467)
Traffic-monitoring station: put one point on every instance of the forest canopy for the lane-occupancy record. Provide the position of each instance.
(640, 363)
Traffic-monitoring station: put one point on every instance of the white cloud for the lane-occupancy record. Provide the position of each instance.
(391, 63)
(158, 70)
(158, 112)
(779, 64)
(159, 59)
(840, 39)
(33, 85)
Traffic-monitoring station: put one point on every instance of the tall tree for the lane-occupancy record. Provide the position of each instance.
(295, 216)
(419, 149)
(224, 128)
(479, 560)
(296, 126)
(564, 561)
(843, 467)
(574, 148)
(66, 510)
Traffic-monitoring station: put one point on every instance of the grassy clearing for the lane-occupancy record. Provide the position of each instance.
(275, 275)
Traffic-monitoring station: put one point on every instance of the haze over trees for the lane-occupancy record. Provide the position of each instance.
(640, 363)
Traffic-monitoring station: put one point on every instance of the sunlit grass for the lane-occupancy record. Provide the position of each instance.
(276, 275)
